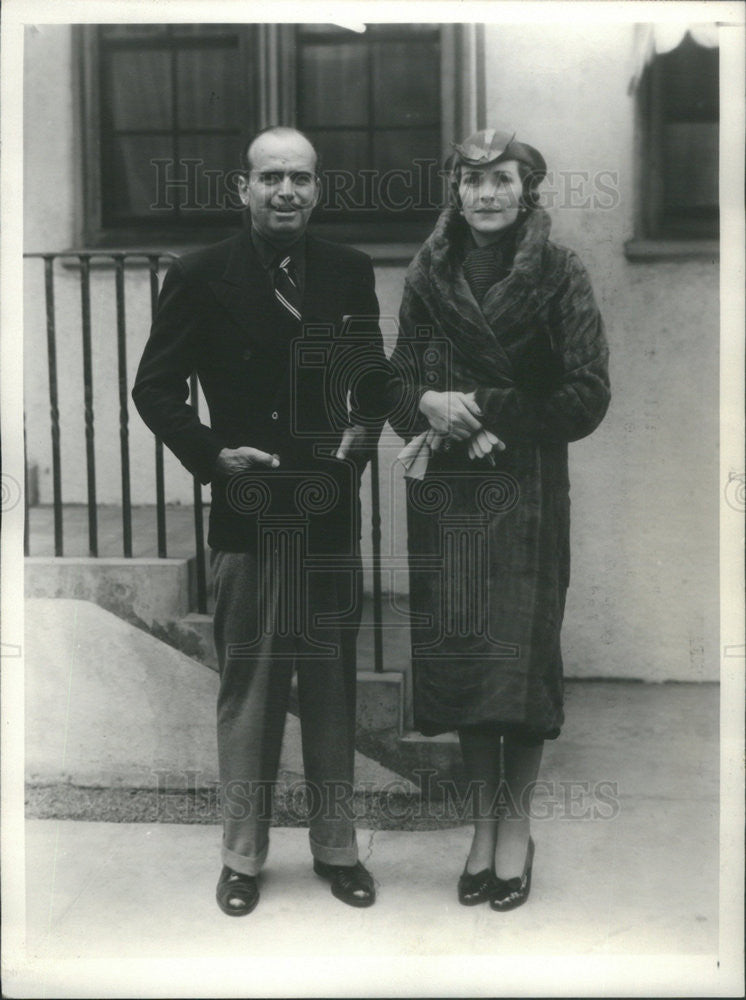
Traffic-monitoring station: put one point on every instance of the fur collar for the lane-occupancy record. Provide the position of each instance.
(437, 277)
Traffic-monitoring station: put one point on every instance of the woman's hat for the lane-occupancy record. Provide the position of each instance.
(491, 144)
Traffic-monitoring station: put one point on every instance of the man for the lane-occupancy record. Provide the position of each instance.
(281, 329)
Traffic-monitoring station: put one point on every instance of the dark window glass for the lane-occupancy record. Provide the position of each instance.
(370, 101)
(683, 99)
(171, 105)
(174, 102)
(332, 90)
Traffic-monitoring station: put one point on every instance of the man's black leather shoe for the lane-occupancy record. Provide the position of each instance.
(237, 894)
(353, 884)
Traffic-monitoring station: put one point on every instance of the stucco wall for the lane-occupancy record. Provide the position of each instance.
(643, 596)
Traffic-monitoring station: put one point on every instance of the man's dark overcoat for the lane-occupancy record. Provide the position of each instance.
(269, 383)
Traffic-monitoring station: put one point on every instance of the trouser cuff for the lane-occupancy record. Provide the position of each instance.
(242, 864)
(334, 855)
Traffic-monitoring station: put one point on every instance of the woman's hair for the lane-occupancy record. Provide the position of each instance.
(490, 146)
(530, 176)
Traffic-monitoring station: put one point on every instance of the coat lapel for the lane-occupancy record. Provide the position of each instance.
(438, 278)
(242, 291)
(320, 298)
(440, 283)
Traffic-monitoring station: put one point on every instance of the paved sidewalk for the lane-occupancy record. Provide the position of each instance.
(622, 876)
(626, 875)
(120, 892)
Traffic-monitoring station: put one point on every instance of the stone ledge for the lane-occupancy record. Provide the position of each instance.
(642, 250)
(143, 591)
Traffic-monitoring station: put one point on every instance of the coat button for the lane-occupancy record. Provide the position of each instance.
(275, 415)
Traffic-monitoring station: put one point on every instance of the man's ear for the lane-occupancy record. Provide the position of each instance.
(242, 183)
(318, 191)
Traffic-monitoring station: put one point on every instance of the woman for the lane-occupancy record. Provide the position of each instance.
(503, 358)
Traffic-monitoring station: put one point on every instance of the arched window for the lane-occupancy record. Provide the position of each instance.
(678, 119)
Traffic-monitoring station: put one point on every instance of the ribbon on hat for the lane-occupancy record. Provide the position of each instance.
(484, 146)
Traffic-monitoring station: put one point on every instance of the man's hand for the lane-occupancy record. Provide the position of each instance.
(354, 439)
(231, 461)
(453, 415)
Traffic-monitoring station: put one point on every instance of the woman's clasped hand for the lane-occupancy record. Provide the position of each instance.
(455, 416)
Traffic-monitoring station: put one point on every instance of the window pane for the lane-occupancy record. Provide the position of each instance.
(406, 84)
(146, 181)
(332, 85)
(321, 29)
(202, 30)
(209, 93)
(398, 30)
(137, 86)
(689, 83)
(132, 182)
(403, 182)
(398, 148)
(213, 180)
(344, 155)
(132, 30)
(690, 159)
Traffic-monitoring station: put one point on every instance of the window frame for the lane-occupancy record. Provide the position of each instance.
(654, 239)
(270, 59)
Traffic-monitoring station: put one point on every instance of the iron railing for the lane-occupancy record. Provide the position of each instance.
(152, 260)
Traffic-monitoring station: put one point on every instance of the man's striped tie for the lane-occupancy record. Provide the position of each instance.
(287, 292)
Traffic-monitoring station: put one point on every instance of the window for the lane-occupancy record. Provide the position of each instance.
(166, 108)
(679, 112)
(371, 103)
(171, 102)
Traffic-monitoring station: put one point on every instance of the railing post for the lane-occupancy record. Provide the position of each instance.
(85, 308)
(123, 411)
(375, 511)
(199, 530)
(54, 408)
(160, 489)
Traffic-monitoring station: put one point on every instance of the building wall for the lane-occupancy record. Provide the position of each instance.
(643, 595)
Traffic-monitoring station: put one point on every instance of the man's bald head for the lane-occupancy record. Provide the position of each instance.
(270, 138)
(280, 185)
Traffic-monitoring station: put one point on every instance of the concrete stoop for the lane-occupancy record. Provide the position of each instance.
(144, 592)
(158, 595)
(383, 710)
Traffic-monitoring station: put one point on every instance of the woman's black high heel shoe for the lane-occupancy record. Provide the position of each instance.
(478, 888)
(512, 892)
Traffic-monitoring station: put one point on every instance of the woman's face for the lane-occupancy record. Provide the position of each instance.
(490, 198)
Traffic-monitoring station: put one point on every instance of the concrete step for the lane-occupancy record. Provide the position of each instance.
(109, 706)
(145, 592)
(380, 707)
(193, 585)
(381, 697)
(431, 763)
(193, 635)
